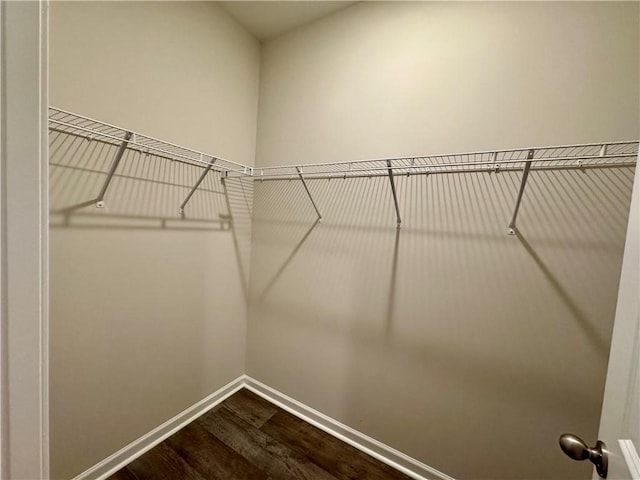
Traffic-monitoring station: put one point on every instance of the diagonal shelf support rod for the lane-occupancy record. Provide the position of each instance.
(195, 187)
(393, 190)
(523, 184)
(304, 184)
(112, 169)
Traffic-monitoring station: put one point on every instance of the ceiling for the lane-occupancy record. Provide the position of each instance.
(268, 19)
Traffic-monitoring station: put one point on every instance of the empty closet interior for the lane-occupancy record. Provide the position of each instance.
(409, 216)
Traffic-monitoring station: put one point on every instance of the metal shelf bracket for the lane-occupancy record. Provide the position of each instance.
(393, 191)
(523, 184)
(195, 187)
(603, 150)
(304, 184)
(112, 169)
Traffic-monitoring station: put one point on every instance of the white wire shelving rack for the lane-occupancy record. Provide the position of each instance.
(78, 125)
(612, 154)
(525, 160)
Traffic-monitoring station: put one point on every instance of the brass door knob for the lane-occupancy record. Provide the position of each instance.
(574, 447)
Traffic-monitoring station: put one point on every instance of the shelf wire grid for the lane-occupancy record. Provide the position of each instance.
(594, 155)
(591, 155)
(69, 123)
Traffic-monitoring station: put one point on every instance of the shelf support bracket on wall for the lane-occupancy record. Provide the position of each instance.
(112, 169)
(304, 184)
(195, 187)
(523, 184)
(393, 190)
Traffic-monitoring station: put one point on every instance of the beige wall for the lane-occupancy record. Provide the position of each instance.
(447, 333)
(184, 72)
(146, 318)
(400, 78)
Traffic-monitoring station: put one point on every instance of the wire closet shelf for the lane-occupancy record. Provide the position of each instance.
(580, 156)
(68, 123)
(600, 154)
(603, 154)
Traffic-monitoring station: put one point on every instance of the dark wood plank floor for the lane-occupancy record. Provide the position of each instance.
(246, 437)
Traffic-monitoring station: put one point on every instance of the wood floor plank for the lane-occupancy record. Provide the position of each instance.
(268, 454)
(250, 407)
(123, 474)
(342, 460)
(210, 457)
(248, 438)
(162, 463)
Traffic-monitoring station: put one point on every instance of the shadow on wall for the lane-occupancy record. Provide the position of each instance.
(145, 193)
(147, 308)
(446, 329)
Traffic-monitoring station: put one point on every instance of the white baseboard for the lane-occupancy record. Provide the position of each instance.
(127, 454)
(366, 444)
(631, 456)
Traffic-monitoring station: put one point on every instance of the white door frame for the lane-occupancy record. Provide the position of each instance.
(620, 396)
(24, 385)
